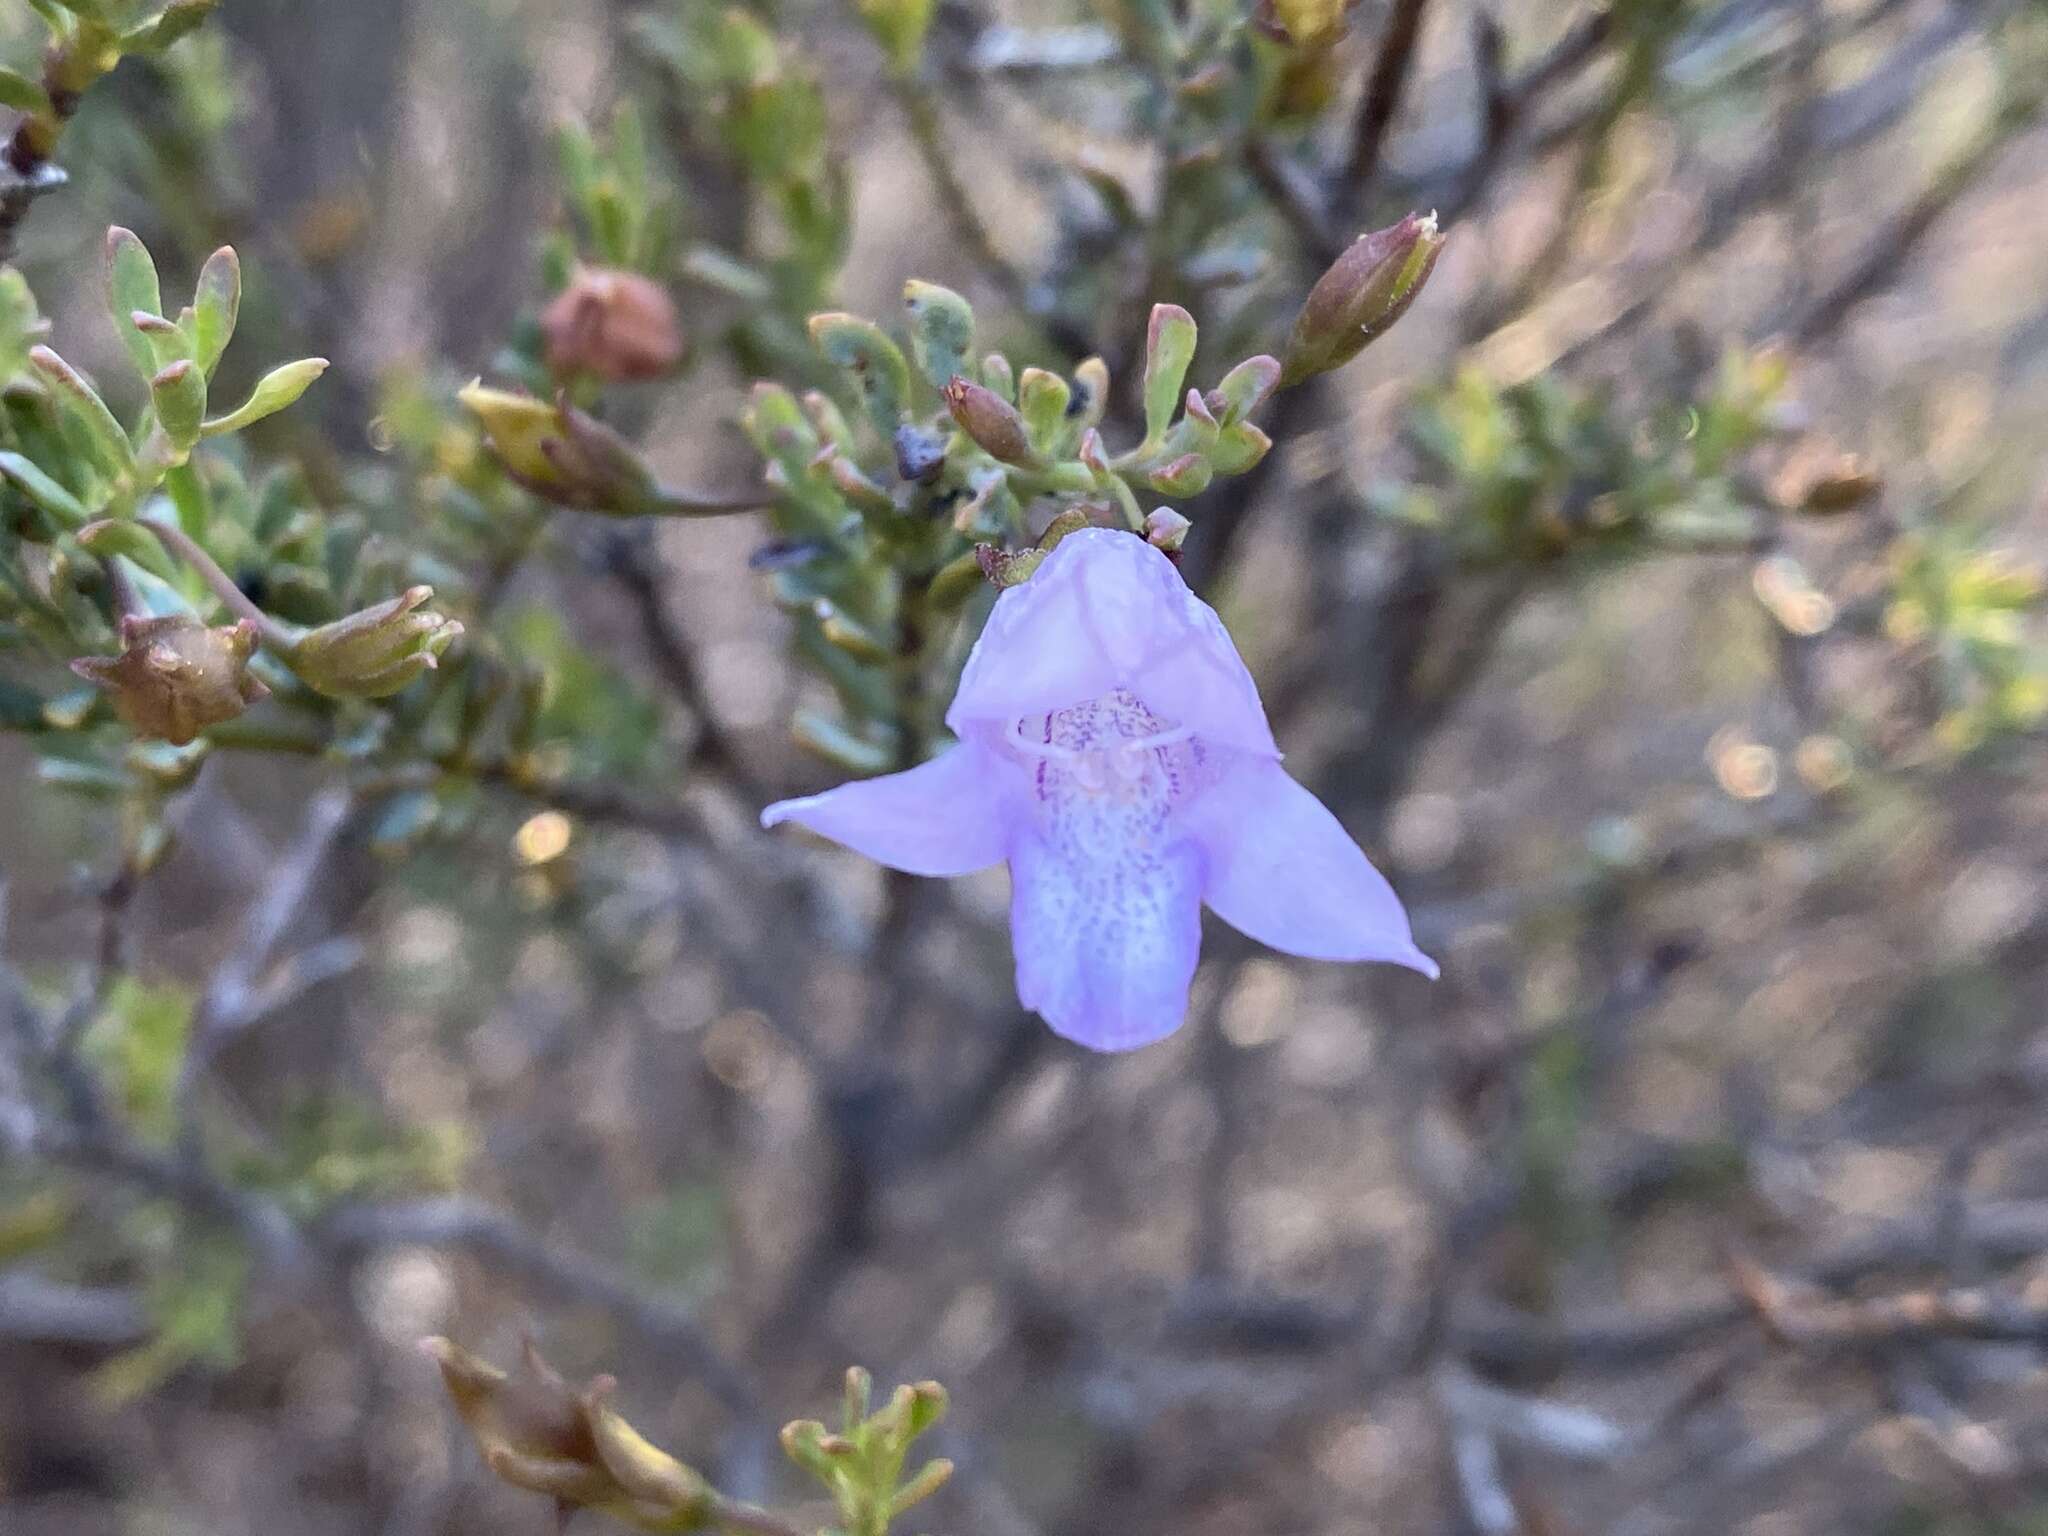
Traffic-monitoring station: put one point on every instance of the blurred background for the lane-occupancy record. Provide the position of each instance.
(1658, 604)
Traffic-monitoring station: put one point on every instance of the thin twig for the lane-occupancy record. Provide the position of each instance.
(1391, 67)
(233, 1000)
(1887, 254)
(501, 1240)
(629, 560)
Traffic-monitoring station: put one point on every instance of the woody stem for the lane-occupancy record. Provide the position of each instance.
(182, 545)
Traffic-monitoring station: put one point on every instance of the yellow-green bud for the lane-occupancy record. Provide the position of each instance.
(376, 651)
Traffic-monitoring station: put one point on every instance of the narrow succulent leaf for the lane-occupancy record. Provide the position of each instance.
(871, 359)
(168, 341)
(1238, 448)
(1169, 348)
(1187, 475)
(1244, 389)
(132, 289)
(1043, 398)
(835, 743)
(166, 27)
(83, 403)
(45, 492)
(23, 94)
(216, 303)
(941, 331)
(274, 391)
(179, 395)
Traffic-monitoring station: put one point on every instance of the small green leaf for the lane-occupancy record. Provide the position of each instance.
(899, 26)
(132, 287)
(1238, 449)
(1187, 475)
(779, 430)
(274, 391)
(166, 340)
(189, 499)
(166, 26)
(23, 94)
(850, 635)
(941, 331)
(83, 404)
(81, 777)
(215, 304)
(828, 419)
(179, 394)
(1091, 393)
(576, 152)
(42, 490)
(1043, 398)
(836, 744)
(1195, 432)
(1244, 389)
(878, 370)
(957, 581)
(1169, 348)
(138, 1042)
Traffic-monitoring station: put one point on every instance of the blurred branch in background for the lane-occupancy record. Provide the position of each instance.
(392, 951)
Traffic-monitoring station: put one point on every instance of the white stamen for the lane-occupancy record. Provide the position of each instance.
(1050, 751)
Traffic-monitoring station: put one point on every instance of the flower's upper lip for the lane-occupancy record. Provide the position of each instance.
(1108, 611)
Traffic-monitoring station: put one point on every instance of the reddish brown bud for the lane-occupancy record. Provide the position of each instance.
(617, 325)
(990, 420)
(1363, 293)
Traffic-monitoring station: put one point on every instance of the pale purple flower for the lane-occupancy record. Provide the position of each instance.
(1114, 753)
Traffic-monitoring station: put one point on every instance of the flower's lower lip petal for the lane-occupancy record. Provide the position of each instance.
(1282, 870)
(944, 817)
(1106, 946)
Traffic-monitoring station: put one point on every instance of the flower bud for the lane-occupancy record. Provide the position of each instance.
(990, 420)
(598, 469)
(1364, 292)
(375, 652)
(176, 676)
(615, 324)
(1166, 530)
(516, 425)
(539, 1433)
(567, 455)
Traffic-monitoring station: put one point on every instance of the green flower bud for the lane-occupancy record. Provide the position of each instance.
(375, 652)
(1364, 292)
(176, 676)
